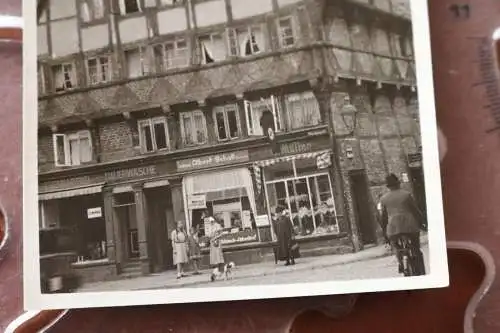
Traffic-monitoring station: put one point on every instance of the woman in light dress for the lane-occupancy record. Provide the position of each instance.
(179, 246)
(216, 255)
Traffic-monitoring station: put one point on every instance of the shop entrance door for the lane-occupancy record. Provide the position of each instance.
(125, 210)
(362, 207)
(417, 176)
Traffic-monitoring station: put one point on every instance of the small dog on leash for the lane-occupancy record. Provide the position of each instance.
(227, 272)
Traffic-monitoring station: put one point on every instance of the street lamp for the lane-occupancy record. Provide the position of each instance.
(349, 115)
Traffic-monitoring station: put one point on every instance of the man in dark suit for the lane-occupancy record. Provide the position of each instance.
(284, 233)
(401, 217)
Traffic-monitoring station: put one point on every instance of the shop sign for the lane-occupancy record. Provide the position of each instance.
(295, 148)
(198, 201)
(65, 183)
(138, 172)
(212, 160)
(246, 219)
(94, 213)
(262, 221)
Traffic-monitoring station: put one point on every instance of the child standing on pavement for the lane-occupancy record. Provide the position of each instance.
(194, 249)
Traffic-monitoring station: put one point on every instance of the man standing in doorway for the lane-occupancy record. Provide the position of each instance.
(284, 233)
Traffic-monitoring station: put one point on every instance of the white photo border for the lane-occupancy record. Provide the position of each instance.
(436, 278)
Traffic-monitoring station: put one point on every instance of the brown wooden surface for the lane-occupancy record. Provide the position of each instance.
(471, 177)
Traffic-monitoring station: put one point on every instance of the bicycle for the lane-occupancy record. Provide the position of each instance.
(410, 256)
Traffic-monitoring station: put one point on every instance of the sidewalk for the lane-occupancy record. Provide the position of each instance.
(168, 279)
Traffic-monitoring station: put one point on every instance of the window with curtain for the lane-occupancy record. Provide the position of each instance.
(213, 48)
(73, 148)
(136, 63)
(98, 70)
(286, 32)
(246, 41)
(91, 10)
(64, 77)
(193, 128)
(153, 134)
(262, 113)
(227, 122)
(302, 110)
(173, 54)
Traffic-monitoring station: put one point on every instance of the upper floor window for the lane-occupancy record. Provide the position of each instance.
(153, 134)
(246, 41)
(98, 70)
(173, 54)
(227, 122)
(41, 79)
(286, 32)
(213, 48)
(72, 148)
(130, 6)
(171, 2)
(193, 128)
(92, 10)
(302, 110)
(64, 77)
(137, 64)
(263, 114)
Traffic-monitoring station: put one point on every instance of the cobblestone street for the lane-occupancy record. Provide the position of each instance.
(375, 262)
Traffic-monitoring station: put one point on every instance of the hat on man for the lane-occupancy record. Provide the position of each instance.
(392, 180)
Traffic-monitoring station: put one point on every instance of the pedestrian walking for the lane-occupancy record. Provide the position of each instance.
(285, 235)
(194, 250)
(179, 246)
(216, 255)
(402, 218)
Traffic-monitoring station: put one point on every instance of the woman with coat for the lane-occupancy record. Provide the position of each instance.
(284, 233)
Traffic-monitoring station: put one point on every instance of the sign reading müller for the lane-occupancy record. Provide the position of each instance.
(212, 160)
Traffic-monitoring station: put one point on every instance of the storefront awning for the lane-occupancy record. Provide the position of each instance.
(70, 193)
(289, 158)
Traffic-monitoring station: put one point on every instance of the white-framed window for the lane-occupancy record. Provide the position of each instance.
(72, 148)
(174, 54)
(64, 76)
(137, 64)
(286, 31)
(153, 134)
(130, 6)
(213, 48)
(91, 10)
(98, 70)
(246, 41)
(263, 113)
(302, 110)
(227, 122)
(193, 128)
(41, 79)
(170, 2)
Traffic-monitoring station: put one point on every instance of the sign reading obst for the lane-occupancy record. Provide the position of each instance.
(212, 160)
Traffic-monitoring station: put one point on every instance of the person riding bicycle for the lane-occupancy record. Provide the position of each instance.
(402, 218)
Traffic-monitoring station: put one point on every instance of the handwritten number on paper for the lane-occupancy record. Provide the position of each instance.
(460, 11)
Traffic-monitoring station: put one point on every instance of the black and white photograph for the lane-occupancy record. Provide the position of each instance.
(215, 150)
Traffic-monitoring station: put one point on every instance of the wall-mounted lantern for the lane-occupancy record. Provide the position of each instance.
(349, 115)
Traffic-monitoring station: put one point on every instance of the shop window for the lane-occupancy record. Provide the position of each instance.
(174, 54)
(64, 77)
(153, 134)
(130, 6)
(286, 32)
(302, 110)
(48, 213)
(193, 128)
(246, 41)
(308, 196)
(213, 48)
(98, 70)
(227, 122)
(72, 149)
(91, 10)
(262, 114)
(136, 62)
